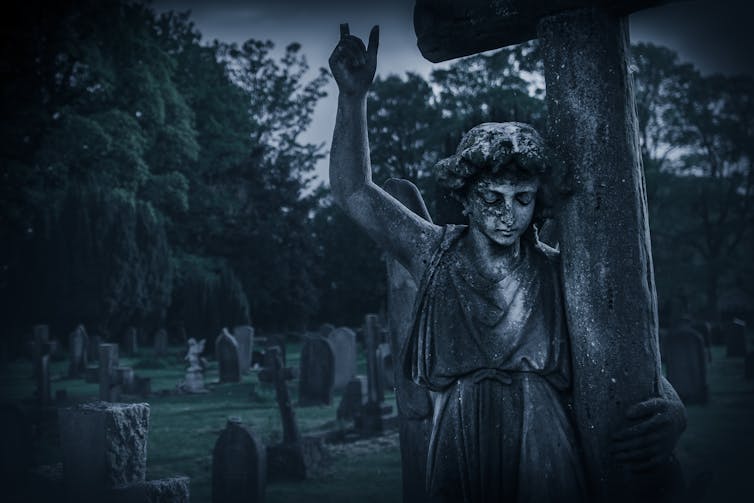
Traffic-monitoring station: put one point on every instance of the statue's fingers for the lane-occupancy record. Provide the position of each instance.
(344, 31)
(643, 428)
(635, 443)
(374, 42)
(646, 408)
(636, 455)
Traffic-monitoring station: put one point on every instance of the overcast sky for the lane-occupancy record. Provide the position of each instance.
(717, 36)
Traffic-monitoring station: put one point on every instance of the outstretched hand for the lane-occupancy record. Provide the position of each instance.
(352, 64)
(650, 439)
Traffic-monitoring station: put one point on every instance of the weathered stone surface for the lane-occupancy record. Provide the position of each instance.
(385, 370)
(108, 362)
(325, 329)
(170, 490)
(239, 465)
(226, 353)
(297, 461)
(274, 372)
(414, 405)
(130, 342)
(78, 343)
(125, 378)
(343, 341)
(605, 255)
(448, 29)
(686, 361)
(104, 445)
(353, 399)
(244, 336)
(271, 341)
(317, 372)
(193, 382)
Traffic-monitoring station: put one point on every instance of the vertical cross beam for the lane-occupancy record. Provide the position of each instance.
(275, 373)
(371, 336)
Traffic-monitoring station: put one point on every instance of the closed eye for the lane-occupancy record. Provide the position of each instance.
(525, 198)
(490, 197)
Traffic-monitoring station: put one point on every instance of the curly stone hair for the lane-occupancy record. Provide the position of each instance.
(510, 148)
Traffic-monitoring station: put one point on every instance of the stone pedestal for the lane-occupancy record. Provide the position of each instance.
(104, 446)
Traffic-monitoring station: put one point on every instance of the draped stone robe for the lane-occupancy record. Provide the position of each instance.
(495, 357)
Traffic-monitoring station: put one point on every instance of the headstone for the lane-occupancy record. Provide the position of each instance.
(193, 382)
(686, 362)
(317, 372)
(43, 380)
(343, 341)
(226, 353)
(735, 339)
(130, 342)
(325, 329)
(104, 445)
(78, 342)
(109, 390)
(161, 342)
(239, 465)
(354, 398)
(608, 277)
(385, 369)
(371, 416)
(285, 460)
(244, 336)
(92, 348)
(124, 376)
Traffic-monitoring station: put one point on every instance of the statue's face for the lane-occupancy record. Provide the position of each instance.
(501, 206)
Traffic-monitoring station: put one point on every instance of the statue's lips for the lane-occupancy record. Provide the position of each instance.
(506, 232)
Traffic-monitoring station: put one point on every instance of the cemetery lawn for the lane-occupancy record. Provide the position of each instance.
(717, 449)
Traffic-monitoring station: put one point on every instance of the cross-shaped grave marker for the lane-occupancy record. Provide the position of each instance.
(606, 258)
(275, 373)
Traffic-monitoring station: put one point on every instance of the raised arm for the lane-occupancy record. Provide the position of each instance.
(409, 238)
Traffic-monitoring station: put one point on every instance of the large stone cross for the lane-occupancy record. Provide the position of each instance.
(604, 233)
(274, 372)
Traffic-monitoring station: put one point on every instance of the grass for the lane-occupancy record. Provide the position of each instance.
(717, 450)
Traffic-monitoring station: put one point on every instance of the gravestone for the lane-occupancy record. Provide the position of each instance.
(353, 400)
(325, 329)
(124, 377)
(77, 352)
(43, 392)
(226, 353)
(343, 341)
(161, 342)
(239, 465)
(686, 362)
(608, 277)
(371, 420)
(244, 336)
(735, 339)
(104, 445)
(385, 369)
(285, 460)
(109, 390)
(317, 372)
(130, 342)
(193, 382)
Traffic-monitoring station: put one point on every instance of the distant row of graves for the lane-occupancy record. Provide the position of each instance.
(242, 464)
(685, 351)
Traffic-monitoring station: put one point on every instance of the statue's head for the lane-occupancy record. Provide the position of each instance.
(499, 173)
